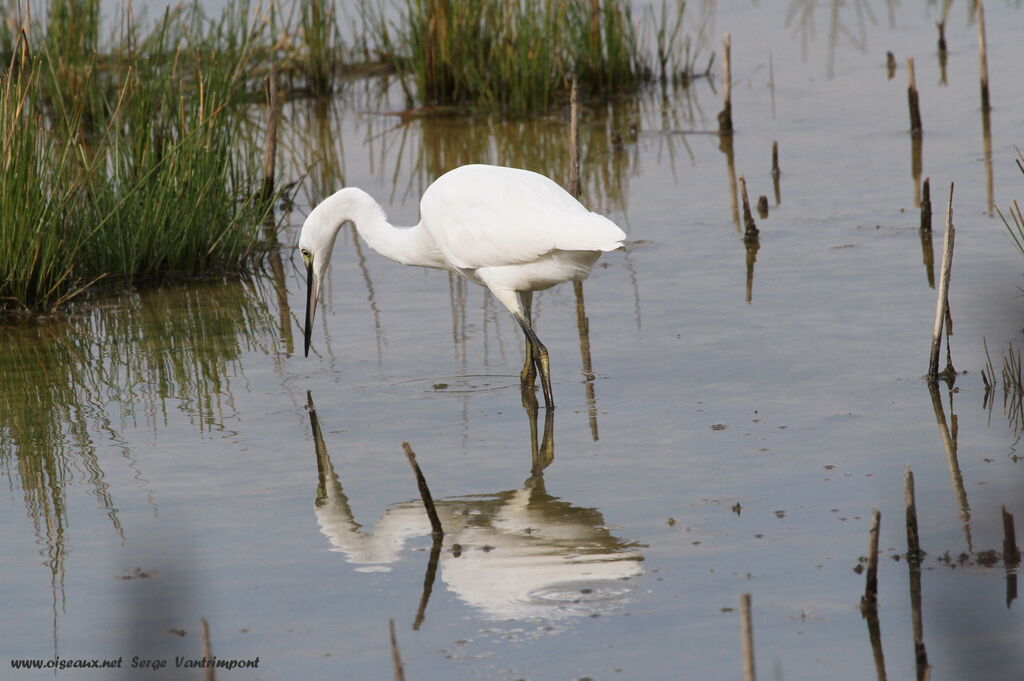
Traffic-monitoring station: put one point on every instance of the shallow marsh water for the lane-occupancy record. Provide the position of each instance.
(164, 467)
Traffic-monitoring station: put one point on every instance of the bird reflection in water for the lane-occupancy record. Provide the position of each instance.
(515, 554)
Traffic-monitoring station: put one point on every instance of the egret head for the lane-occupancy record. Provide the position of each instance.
(315, 244)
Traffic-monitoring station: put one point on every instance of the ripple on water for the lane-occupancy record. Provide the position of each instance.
(580, 598)
(455, 385)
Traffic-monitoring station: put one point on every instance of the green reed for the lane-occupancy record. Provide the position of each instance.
(517, 57)
(139, 179)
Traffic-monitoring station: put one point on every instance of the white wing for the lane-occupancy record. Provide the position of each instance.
(488, 216)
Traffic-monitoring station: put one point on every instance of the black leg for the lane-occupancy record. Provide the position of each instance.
(540, 358)
(529, 374)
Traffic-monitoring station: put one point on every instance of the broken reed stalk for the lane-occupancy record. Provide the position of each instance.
(870, 598)
(776, 173)
(396, 658)
(983, 58)
(1011, 557)
(752, 247)
(270, 147)
(912, 100)
(204, 632)
(942, 37)
(725, 115)
(747, 635)
(1011, 554)
(890, 65)
(575, 187)
(750, 232)
(910, 504)
(926, 206)
(916, 148)
(428, 500)
(942, 299)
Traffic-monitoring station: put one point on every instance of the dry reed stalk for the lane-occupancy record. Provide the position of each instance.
(870, 599)
(575, 187)
(942, 299)
(747, 635)
(725, 115)
(910, 506)
(912, 100)
(428, 501)
(983, 58)
(926, 206)
(1011, 554)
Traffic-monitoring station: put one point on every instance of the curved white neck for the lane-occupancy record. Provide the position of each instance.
(407, 245)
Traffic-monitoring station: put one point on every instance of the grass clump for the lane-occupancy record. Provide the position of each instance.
(1015, 225)
(137, 183)
(518, 56)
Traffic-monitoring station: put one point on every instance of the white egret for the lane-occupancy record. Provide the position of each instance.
(513, 231)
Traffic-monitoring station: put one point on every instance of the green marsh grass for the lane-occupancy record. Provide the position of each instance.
(675, 58)
(517, 57)
(157, 187)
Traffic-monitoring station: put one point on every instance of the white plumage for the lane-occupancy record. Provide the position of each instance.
(488, 216)
(513, 231)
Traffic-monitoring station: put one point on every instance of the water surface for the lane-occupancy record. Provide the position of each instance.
(725, 427)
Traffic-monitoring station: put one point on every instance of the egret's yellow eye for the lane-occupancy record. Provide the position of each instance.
(306, 255)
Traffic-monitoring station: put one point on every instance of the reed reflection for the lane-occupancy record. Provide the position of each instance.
(986, 135)
(73, 385)
(849, 19)
(943, 52)
(541, 146)
(407, 152)
(752, 245)
(948, 436)
(725, 145)
(513, 554)
(916, 153)
(925, 231)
